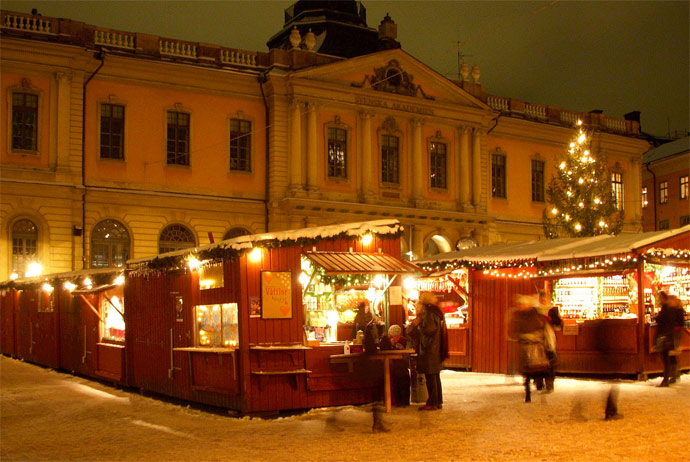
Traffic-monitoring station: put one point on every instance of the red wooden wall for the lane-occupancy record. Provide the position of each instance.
(8, 321)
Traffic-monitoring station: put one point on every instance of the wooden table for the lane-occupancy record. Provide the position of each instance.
(386, 356)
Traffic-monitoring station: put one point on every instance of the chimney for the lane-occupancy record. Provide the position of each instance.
(634, 116)
(388, 29)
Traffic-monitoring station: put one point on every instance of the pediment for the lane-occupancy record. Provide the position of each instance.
(390, 72)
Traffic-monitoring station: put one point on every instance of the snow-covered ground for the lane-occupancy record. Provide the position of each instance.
(47, 415)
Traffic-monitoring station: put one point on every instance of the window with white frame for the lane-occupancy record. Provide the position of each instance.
(663, 192)
(175, 237)
(438, 164)
(216, 325)
(683, 187)
(112, 131)
(617, 189)
(24, 121)
(110, 244)
(24, 245)
(337, 152)
(240, 145)
(177, 138)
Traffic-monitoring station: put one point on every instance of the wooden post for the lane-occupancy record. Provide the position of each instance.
(642, 375)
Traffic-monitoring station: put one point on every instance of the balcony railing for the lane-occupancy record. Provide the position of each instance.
(28, 23)
(114, 39)
(177, 48)
(242, 58)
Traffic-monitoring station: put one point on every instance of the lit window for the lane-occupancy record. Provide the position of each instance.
(113, 315)
(683, 187)
(178, 138)
(112, 131)
(390, 161)
(663, 192)
(235, 232)
(645, 201)
(537, 181)
(175, 237)
(337, 153)
(617, 189)
(437, 165)
(498, 175)
(216, 325)
(109, 244)
(24, 245)
(240, 145)
(24, 121)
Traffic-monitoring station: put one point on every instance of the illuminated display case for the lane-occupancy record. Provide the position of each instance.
(216, 325)
(113, 316)
(594, 298)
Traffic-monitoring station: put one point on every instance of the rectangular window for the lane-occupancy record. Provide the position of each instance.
(663, 192)
(684, 220)
(24, 121)
(537, 181)
(683, 187)
(617, 189)
(389, 159)
(437, 165)
(663, 224)
(216, 325)
(498, 175)
(645, 202)
(337, 153)
(113, 315)
(112, 131)
(178, 138)
(240, 145)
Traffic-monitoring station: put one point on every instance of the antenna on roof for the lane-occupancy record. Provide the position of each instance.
(461, 60)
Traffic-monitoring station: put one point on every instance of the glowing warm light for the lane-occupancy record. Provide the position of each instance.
(581, 180)
(554, 211)
(193, 263)
(366, 239)
(578, 226)
(579, 122)
(70, 286)
(597, 200)
(48, 288)
(120, 280)
(378, 281)
(562, 166)
(206, 283)
(14, 276)
(602, 224)
(255, 254)
(567, 217)
(34, 269)
(582, 138)
(569, 193)
(409, 283)
(581, 204)
(303, 278)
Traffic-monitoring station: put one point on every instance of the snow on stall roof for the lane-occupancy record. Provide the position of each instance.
(557, 249)
(389, 226)
(67, 275)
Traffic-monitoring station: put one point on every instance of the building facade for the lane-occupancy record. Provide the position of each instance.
(665, 172)
(118, 145)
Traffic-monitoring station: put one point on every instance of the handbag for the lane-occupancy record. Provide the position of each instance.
(533, 358)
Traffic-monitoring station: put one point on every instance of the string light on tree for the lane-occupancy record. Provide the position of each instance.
(580, 194)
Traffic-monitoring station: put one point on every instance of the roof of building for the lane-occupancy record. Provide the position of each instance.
(669, 149)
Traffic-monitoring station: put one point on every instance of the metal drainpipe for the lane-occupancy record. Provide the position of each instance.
(653, 191)
(262, 79)
(99, 55)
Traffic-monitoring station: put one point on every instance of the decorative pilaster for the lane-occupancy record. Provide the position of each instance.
(312, 158)
(296, 181)
(476, 167)
(367, 192)
(417, 159)
(464, 167)
(62, 131)
(635, 191)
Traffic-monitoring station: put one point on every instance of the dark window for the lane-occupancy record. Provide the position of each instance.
(684, 220)
(389, 159)
(112, 131)
(240, 145)
(645, 202)
(538, 181)
(337, 153)
(109, 244)
(498, 175)
(663, 224)
(617, 187)
(235, 232)
(178, 138)
(24, 121)
(437, 164)
(24, 245)
(663, 192)
(175, 237)
(683, 187)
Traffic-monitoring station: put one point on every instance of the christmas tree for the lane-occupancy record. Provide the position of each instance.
(580, 195)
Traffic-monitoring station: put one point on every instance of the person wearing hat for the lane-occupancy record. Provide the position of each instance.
(433, 348)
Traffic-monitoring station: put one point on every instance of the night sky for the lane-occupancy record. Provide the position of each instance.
(615, 56)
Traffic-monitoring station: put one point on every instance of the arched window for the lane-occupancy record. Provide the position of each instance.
(235, 232)
(466, 243)
(24, 245)
(109, 244)
(435, 245)
(175, 237)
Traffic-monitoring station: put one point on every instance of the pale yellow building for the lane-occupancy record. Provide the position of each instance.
(119, 145)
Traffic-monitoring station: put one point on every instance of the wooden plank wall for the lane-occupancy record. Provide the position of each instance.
(8, 317)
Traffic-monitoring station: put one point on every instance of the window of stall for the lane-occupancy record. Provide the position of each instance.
(216, 325)
(596, 297)
(450, 289)
(211, 276)
(112, 308)
(674, 280)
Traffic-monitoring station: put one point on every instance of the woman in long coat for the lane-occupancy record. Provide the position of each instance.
(430, 324)
(527, 327)
(669, 320)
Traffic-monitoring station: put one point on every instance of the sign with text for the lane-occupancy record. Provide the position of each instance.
(276, 294)
(571, 329)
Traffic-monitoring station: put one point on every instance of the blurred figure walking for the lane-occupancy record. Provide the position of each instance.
(527, 326)
(669, 321)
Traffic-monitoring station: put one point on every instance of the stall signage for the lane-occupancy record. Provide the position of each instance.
(438, 285)
(571, 329)
(276, 294)
(395, 295)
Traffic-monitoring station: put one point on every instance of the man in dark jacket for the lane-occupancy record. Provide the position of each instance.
(670, 319)
(432, 351)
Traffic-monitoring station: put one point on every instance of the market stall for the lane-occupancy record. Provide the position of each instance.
(606, 288)
(251, 323)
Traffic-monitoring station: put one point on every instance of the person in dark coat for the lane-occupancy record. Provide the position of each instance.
(431, 324)
(527, 327)
(362, 318)
(669, 320)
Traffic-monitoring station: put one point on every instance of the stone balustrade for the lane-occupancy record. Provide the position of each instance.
(177, 48)
(28, 23)
(114, 39)
(242, 58)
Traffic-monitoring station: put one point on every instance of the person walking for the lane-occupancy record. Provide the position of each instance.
(433, 348)
(553, 322)
(527, 327)
(669, 320)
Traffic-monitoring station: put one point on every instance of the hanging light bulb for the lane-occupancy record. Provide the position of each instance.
(602, 224)
(554, 211)
(562, 165)
(581, 180)
(582, 138)
(597, 200)
(366, 239)
(578, 226)
(581, 204)
(70, 286)
(193, 263)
